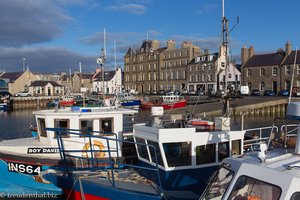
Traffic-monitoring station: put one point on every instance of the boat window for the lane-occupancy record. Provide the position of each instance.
(86, 126)
(142, 148)
(206, 154)
(158, 153)
(223, 150)
(218, 184)
(236, 147)
(106, 125)
(178, 154)
(42, 126)
(62, 123)
(250, 188)
(296, 196)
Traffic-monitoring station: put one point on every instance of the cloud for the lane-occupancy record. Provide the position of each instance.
(132, 8)
(207, 8)
(44, 59)
(28, 22)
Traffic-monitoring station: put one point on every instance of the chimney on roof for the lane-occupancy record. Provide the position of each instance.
(155, 44)
(186, 44)
(288, 47)
(171, 44)
(246, 53)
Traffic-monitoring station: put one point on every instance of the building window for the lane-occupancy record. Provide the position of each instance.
(248, 72)
(191, 78)
(229, 75)
(262, 72)
(287, 70)
(274, 71)
(261, 85)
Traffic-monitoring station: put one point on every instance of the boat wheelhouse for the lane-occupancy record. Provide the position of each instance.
(25, 159)
(187, 156)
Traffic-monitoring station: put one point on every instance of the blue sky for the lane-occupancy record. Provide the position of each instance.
(55, 35)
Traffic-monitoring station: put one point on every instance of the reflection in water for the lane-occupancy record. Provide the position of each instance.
(16, 124)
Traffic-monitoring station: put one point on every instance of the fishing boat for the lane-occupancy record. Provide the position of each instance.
(24, 160)
(67, 101)
(128, 100)
(174, 161)
(270, 172)
(5, 101)
(166, 101)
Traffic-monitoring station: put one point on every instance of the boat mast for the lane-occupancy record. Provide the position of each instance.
(225, 35)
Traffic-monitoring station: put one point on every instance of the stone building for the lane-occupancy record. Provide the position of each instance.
(18, 81)
(270, 71)
(46, 88)
(152, 68)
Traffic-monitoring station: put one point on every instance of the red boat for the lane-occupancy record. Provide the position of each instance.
(67, 101)
(202, 125)
(167, 102)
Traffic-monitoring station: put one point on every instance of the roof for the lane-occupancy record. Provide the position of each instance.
(290, 59)
(130, 52)
(12, 76)
(44, 83)
(108, 75)
(86, 75)
(265, 60)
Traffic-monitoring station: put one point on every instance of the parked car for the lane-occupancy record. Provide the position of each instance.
(255, 92)
(23, 94)
(161, 92)
(283, 93)
(269, 93)
(191, 92)
(176, 92)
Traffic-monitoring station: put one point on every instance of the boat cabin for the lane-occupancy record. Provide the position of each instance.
(182, 148)
(171, 98)
(95, 120)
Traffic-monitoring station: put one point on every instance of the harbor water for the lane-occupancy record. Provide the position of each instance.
(16, 124)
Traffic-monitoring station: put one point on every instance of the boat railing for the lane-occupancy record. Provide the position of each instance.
(255, 136)
(114, 164)
(272, 135)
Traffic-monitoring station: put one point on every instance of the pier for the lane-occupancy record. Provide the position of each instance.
(250, 105)
(31, 102)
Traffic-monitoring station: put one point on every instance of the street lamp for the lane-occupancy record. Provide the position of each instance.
(23, 61)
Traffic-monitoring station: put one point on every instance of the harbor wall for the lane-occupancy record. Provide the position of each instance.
(18, 103)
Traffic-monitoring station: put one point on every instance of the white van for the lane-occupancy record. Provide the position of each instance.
(245, 90)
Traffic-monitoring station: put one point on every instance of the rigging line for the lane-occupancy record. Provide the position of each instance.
(292, 82)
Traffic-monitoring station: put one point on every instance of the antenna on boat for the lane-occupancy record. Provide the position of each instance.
(292, 82)
(224, 51)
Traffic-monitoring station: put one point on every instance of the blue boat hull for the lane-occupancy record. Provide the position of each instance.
(131, 103)
(4, 107)
(192, 180)
(93, 190)
(19, 183)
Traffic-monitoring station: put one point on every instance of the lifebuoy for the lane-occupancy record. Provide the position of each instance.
(96, 143)
(295, 90)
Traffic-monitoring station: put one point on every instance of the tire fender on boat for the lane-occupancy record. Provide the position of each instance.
(96, 143)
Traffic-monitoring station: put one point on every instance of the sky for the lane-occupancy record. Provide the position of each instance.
(55, 35)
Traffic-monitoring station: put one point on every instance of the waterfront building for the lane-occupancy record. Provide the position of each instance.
(152, 68)
(111, 84)
(82, 82)
(46, 88)
(270, 71)
(18, 81)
